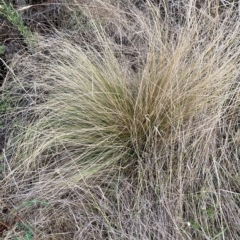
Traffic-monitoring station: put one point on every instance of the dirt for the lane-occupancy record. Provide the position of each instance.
(11, 39)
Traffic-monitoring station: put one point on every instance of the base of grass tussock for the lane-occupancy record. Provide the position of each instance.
(133, 139)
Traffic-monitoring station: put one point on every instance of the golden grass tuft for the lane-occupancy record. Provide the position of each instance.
(133, 139)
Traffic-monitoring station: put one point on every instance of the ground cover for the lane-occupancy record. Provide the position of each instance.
(120, 120)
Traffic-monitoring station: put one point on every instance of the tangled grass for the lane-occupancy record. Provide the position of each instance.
(131, 136)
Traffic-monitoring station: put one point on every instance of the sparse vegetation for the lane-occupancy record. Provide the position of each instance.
(2, 49)
(8, 11)
(127, 128)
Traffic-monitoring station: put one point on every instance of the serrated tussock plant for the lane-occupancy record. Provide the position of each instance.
(157, 144)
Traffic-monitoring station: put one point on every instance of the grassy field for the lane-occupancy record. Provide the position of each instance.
(120, 120)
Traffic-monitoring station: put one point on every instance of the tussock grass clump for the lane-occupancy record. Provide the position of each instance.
(102, 150)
